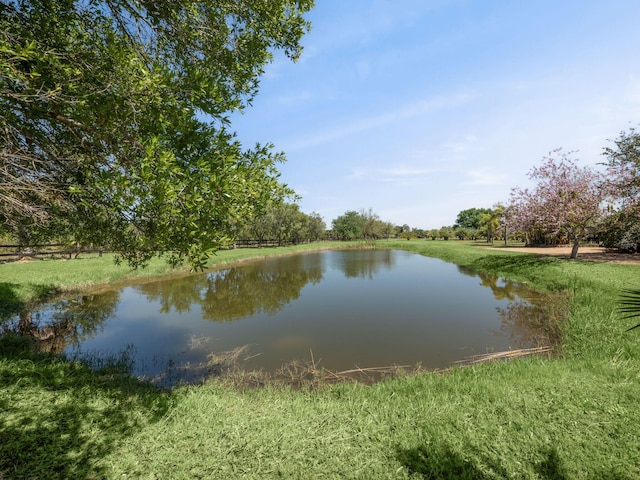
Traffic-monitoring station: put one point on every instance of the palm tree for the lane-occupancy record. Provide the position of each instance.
(490, 222)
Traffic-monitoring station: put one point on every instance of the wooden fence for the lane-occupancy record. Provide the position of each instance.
(17, 252)
(271, 242)
(51, 249)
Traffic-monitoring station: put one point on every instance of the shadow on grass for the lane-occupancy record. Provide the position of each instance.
(551, 467)
(10, 304)
(442, 462)
(58, 419)
(514, 263)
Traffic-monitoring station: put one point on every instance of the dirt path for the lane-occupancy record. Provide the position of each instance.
(594, 254)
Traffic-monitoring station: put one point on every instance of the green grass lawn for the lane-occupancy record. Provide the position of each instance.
(571, 417)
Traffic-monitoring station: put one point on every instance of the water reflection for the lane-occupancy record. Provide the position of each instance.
(227, 295)
(364, 308)
(531, 318)
(364, 263)
(536, 324)
(64, 323)
(502, 288)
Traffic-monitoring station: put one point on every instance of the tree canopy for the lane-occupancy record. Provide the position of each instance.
(471, 217)
(622, 228)
(114, 120)
(623, 175)
(285, 223)
(363, 225)
(349, 226)
(490, 222)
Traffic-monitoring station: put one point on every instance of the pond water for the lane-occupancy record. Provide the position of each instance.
(346, 309)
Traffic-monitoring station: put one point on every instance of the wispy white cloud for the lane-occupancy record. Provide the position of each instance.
(359, 125)
(465, 144)
(484, 177)
(293, 98)
(350, 26)
(404, 171)
(392, 174)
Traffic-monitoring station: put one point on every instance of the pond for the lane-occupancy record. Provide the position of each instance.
(342, 309)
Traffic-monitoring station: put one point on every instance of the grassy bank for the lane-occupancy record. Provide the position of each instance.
(568, 418)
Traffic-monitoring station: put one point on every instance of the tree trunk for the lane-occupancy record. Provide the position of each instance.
(25, 323)
(574, 249)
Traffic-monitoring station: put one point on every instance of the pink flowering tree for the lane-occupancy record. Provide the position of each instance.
(565, 202)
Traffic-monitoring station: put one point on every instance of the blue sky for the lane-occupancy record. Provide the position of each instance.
(419, 109)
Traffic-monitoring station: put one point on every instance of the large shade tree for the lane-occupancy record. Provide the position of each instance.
(623, 184)
(623, 174)
(564, 203)
(315, 228)
(114, 119)
(349, 226)
(622, 229)
(284, 223)
(471, 217)
(363, 225)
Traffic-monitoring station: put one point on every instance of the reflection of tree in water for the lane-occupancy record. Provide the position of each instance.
(503, 289)
(366, 263)
(532, 318)
(240, 291)
(176, 293)
(536, 324)
(65, 322)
